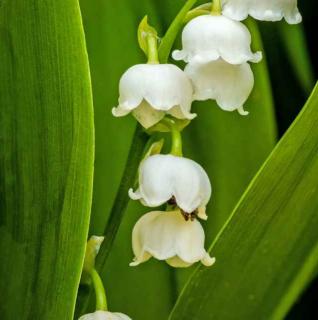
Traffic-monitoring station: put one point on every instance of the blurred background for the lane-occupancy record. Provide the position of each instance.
(220, 141)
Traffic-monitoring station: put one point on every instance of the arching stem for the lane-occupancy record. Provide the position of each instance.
(101, 301)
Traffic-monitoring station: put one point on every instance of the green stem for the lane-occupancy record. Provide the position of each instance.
(176, 137)
(121, 201)
(176, 148)
(135, 155)
(152, 42)
(194, 14)
(101, 301)
(203, 9)
(171, 34)
(216, 7)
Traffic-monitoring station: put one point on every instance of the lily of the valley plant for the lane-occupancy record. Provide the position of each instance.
(216, 50)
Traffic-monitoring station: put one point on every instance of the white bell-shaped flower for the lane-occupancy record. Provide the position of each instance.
(104, 315)
(230, 85)
(269, 10)
(150, 91)
(166, 177)
(168, 236)
(208, 38)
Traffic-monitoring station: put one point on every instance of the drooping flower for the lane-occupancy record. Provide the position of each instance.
(230, 85)
(168, 236)
(269, 10)
(104, 315)
(180, 180)
(150, 91)
(208, 38)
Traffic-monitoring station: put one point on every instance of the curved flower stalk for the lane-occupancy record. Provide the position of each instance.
(101, 313)
(104, 315)
(150, 91)
(230, 85)
(168, 236)
(167, 178)
(208, 38)
(267, 10)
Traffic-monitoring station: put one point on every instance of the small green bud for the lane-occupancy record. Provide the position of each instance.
(144, 31)
(92, 249)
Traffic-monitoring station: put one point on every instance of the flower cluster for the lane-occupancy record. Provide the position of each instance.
(174, 235)
(216, 48)
(217, 52)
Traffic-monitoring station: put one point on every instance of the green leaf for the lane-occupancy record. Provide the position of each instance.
(46, 157)
(267, 251)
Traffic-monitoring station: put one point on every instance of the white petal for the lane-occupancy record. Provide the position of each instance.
(162, 177)
(105, 315)
(207, 260)
(176, 262)
(120, 316)
(202, 213)
(208, 38)
(141, 255)
(230, 85)
(168, 236)
(150, 90)
(147, 116)
(269, 10)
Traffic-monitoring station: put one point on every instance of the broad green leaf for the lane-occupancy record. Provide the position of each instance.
(267, 251)
(111, 33)
(46, 157)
